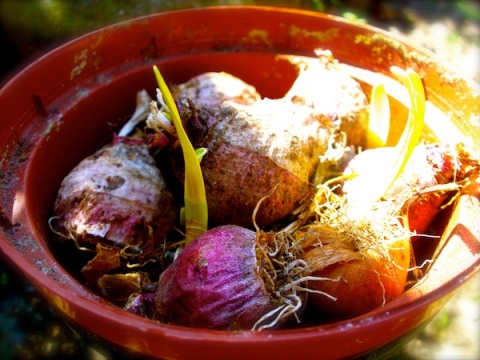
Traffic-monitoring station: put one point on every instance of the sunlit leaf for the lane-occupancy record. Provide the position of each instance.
(195, 211)
(379, 121)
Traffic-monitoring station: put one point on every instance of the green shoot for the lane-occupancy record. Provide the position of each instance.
(379, 121)
(413, 129)
(384, 179)
(200, 152)
(195, 211)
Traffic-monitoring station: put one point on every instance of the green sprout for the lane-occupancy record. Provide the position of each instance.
(416, 119)
(379, 121)
(196, 210)
(378, 131)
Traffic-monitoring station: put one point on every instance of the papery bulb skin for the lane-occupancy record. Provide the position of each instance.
(214, 283)
(116, 196)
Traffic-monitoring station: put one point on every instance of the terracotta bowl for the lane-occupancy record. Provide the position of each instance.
(61, 107)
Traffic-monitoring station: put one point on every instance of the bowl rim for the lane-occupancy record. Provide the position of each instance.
(47, 285)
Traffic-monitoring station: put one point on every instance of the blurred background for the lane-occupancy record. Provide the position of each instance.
(28, 28)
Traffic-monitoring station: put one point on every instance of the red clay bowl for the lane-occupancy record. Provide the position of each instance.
(61, 107)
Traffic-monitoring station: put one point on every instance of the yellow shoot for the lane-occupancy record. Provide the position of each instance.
(195, 211)
(379, 121)
(377, 186)
(416, 118)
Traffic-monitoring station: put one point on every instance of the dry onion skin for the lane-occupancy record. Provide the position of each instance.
(213, 283)
(223, 280)
(370, 256)
(359, 238)
(434, 174)
(117, 195)
(281, 234)
(256, 145)
(347, 260)
(364, 220)
(116, 204)
(228, 277)
(213, 89)
(329, 90)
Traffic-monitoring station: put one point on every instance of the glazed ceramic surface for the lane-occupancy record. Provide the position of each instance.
(60, 108)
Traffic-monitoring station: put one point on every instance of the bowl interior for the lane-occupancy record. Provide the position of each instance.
(56, 120)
